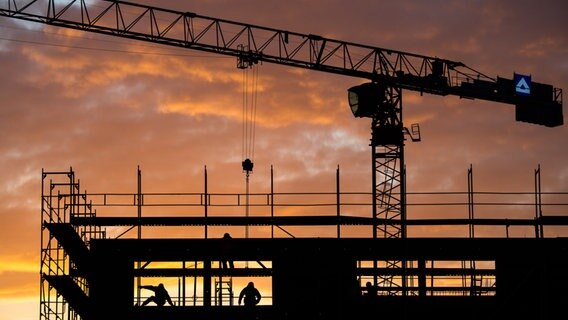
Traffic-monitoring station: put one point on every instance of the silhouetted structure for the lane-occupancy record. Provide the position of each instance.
(85, 273)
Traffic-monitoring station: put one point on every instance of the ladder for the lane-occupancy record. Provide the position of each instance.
(224, 291)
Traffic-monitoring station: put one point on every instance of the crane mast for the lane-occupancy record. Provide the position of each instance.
(387, 72)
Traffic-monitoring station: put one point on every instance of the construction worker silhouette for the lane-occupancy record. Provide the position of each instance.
(160, 297)
(250, 294)
(226, 248)
(371, 290)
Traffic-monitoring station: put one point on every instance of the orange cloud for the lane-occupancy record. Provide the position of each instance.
(543, 47)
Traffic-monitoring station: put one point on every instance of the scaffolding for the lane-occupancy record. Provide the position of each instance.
(433, 268)
(62, 201)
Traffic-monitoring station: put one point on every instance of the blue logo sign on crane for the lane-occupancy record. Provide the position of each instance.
(522, 85)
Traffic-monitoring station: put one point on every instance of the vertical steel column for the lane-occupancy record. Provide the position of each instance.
(205, 199)
(539, 228)
(139, 228)
(470, 201)
(338, 198)
(272, 201)
(183, 284)
(474, 290)
(206, 262)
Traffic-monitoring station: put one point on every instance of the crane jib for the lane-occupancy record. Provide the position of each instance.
(535, 102)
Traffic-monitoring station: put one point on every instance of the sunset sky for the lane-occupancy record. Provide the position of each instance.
(105, 105)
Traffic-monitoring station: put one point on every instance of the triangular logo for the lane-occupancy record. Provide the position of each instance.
(523, 86)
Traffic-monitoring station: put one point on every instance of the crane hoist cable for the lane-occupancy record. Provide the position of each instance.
(249, 89)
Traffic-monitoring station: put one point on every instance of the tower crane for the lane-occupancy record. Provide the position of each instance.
(387, 72)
